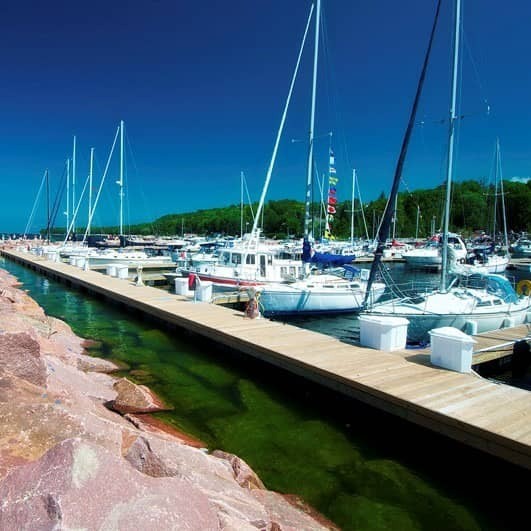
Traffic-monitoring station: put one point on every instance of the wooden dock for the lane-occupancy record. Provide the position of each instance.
(489, 346)
(491, 417)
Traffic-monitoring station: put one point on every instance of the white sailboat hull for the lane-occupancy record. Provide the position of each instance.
(493, 264)
(456, 308)
(430, 256)
(158, 260)
(423, 259)
(303, 299)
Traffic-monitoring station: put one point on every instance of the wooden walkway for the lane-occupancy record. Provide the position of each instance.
(494, 418)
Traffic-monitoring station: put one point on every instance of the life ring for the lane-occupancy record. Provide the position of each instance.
(524, 287)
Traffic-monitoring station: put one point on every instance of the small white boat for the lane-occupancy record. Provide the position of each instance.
(252, 262)
(329, 293)
(121, 257)
(429, 256)
(488, 263)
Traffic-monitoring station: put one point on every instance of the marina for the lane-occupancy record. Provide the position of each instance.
(252, 307)
(440, 400)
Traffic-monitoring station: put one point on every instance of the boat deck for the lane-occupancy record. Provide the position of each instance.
(492, 417)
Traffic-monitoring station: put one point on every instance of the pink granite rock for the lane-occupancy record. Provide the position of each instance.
(80, 485)
(150, 424)
(290, 513)
(19, 300)
(33, 419)
(20, 356)
(132, 398)
(212, 476)
(238, 506)
(145, 460)
(243, 473)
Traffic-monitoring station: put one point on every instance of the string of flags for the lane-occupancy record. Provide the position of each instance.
(332, 199)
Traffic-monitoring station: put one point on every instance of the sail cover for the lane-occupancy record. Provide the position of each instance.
(310, 256)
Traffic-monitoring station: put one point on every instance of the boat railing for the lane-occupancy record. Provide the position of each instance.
(411, 290)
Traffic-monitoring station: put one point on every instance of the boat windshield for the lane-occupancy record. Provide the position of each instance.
(349, 272)
(501, 287)
(495, 285)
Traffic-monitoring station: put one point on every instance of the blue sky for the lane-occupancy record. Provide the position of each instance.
(201, 88)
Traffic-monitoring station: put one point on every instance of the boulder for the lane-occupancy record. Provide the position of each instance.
(20, 356)
(80, 485)
(239, 506)
(243, 473)
(132, 398)
(34, 419)
(214, 477)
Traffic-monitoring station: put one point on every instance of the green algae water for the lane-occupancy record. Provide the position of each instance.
(363, 469)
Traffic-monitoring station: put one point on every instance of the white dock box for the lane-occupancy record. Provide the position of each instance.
(451, 349)
(203, 291)
(382, 332)
(181, 286)
(122, 271)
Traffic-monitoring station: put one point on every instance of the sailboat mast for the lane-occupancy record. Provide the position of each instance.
(500, 174)
(385, 225)
(91, 166)
(361, 208)
(309, 168)
(352, 208)
(121, 181)
(91, 215)
(48, 205)
(321, 209)
(241, 204)
(451, 141)
(495, 215)
(260, 209)
(67, 194)
(395, 207)
(73, 185)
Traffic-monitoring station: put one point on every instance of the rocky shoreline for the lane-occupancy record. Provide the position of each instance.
(79, 450)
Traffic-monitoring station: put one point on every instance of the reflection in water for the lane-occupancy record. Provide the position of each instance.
(45, 286)
(360, 467)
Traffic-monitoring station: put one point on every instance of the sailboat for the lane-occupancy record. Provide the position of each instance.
(474, 304)
(483, 259)
(252, 262)
(85, 256)
(317, 292)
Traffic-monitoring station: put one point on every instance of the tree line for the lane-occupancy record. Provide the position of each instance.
(475, 206)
